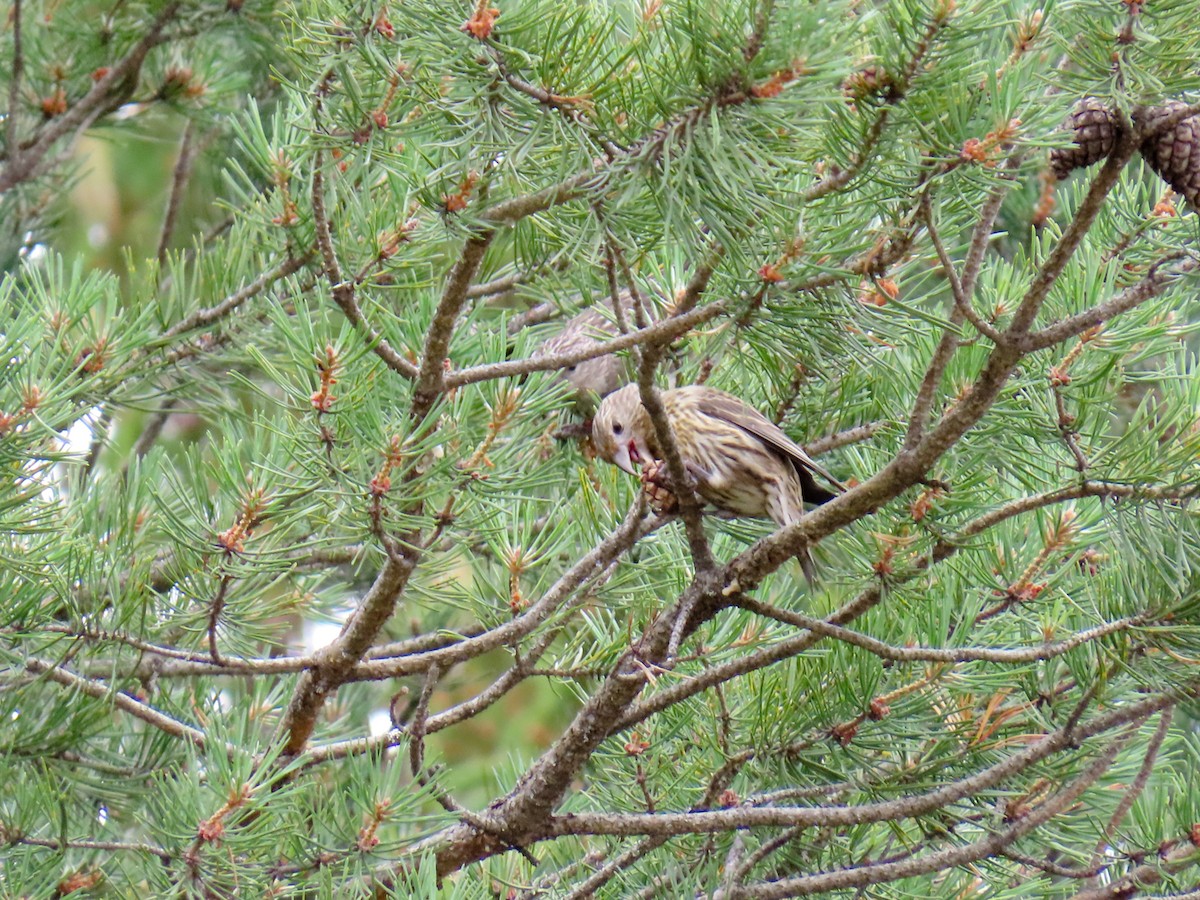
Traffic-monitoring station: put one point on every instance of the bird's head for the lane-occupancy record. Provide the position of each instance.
(620, 429)
(589, 380)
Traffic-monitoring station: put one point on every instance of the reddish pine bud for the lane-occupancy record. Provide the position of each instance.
(482, 21)
(844, 733)
(636, 746)
(55, 104)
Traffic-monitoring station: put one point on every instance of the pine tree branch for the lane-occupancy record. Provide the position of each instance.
(583, 183)
(980, 236)
(152, 430)
(961, 300)
(342, 291)
(911, 806)
(528, 805)
(681, 483)
(125, 703)
(1130, 797)
(870, 140)
(854, 435)
(651, 355)
(108, 92)
(11, 139)
(875, 647)
(500, 287)
(665, 329)
(1073, 235)
(1173, 857)
(1154, 284)
(567, 107)
(468, 709)
(587, 888)
(885, 873)
(15, 838)
(333, 664)
(431, 379)
(204, 317)
(911, 464)
(870, 597)
(1186, 895)
(179, 180)
(1047, 866)
(632, 529)
(739, 872)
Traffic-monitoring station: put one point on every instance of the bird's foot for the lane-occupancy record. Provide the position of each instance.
(655, 481)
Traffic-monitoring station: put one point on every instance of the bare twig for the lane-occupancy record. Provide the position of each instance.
(124, 702)
(667, 329)
(14, 83)
(203, 317)
(1066, 430)
(179, 180)
(747, 865)
(588, 887)
(216, 607)
(343, 291)
(830, 442)
(153, 428)
(933, 654)
(961, 300)
(61, 844)
(1136, 788)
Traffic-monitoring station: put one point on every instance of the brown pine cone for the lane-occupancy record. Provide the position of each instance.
(1175, 153)
(1095, 128)
(654, 485)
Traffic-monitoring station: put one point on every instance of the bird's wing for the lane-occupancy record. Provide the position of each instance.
(732, 410)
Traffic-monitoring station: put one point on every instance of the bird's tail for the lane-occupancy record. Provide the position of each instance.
(807, 566)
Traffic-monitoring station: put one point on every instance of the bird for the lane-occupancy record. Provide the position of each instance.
(593, 379)
(737, 459)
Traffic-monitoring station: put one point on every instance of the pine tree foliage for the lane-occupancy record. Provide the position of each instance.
(312, 396)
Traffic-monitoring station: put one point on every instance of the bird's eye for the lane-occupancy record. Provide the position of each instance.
(618, 427)
(571, 368)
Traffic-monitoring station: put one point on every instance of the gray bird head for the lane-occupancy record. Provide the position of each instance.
(591, 379)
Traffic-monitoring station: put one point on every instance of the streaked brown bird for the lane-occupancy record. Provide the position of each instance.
(592, 379)
(738, 459)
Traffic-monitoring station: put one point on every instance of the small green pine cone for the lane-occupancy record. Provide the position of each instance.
(1175, 153)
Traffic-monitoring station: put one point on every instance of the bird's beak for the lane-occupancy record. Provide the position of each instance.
(626, 458)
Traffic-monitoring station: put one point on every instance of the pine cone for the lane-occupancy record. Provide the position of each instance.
(654, 485)
(1175, 153)
(1095, 128)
